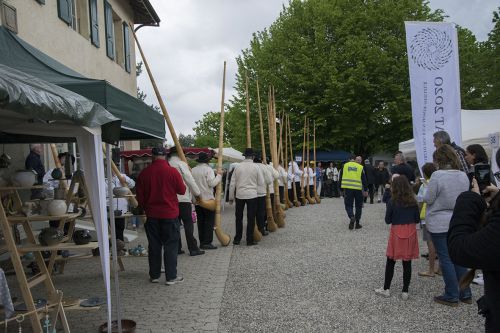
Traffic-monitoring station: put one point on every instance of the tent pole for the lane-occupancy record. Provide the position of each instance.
(111, 213)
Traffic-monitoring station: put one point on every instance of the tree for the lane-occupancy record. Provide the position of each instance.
(491, 63)
(206, 131)
(343, 64)
(186, 140)
(141, 94)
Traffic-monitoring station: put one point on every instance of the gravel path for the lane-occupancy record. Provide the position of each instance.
(315, 275)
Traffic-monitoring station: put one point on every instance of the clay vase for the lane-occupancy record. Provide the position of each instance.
(50, 236)
(81, 237)
(24, 178)
(57, 207)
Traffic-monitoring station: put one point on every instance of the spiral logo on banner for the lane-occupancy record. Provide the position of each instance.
(431, 49)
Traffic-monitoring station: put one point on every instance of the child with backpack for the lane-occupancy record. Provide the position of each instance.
(402, 214)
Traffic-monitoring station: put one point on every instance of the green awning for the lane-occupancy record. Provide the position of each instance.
(139, 121)
(26, 99)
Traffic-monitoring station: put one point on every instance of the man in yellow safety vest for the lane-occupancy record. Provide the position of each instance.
(353, 182)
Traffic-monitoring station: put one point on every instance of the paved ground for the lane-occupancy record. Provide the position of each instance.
(312, 276)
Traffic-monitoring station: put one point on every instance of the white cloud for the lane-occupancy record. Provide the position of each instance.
(187, 51)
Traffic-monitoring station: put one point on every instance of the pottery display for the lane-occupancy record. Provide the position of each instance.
(57, 207)
(121, 191)
(81, 237)
(44, 207)
(59, 193)
(24, 178)
(50, 236)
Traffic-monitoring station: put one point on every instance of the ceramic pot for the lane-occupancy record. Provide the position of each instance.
(56, 174)
(81, 237)
(57, 207)
(50, 236)
(121, 191)
(24, 178)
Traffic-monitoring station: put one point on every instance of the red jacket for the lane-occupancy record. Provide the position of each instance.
(157, 188)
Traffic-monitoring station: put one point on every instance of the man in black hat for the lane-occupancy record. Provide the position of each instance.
(157, 188)
(204, 176)
(246, 178)
(185, 208)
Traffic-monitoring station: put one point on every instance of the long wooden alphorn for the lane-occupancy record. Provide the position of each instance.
(317, 196)
(285, 162)
(302, 190)
(308, 162)
(271, 225)
(257, 235)
(223, 238)
(283, 201)
(292, 162)
(279, 214)
(208, 204)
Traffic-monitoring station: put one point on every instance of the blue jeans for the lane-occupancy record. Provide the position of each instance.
(451, 273)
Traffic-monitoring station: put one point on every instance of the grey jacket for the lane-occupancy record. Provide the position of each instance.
(442, 192)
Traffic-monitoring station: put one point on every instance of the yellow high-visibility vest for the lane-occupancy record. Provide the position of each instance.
(351, 176)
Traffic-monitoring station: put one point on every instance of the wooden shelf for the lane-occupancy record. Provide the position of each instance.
(13, 188)
(60, 246)
(37, 218)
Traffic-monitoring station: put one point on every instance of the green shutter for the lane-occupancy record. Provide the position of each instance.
(94, 23)
(126, 45)
(64, 10)
(110, 35)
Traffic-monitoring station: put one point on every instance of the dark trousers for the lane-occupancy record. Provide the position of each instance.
(261, 213)
(389, 273)
(251, 212)
(290, 194)
(299, 192)
(119, 227)
(206, 223)
(185, 215)
(282, 194)
(351, 198)
(162, 233)
(336, 189)
(311, 191)
(371, 192)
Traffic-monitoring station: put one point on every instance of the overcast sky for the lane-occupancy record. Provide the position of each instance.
(186, 53)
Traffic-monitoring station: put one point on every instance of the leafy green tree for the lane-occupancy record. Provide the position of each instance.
(491, 63)
(186, 140)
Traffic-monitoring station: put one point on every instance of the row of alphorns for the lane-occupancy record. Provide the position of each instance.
(276, 220)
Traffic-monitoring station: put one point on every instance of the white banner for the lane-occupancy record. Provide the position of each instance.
(435, 84)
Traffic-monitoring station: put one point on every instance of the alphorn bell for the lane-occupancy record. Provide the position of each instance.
(285, 163)
(302, 192)
(280, 215)
(317, 196)
(271, 225)
(223, 238)
(257, 236)
(207, 204)
(308, 162)
(294, 187)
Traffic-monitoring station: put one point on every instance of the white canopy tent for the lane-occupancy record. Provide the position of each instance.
(476, 125)
(230, 154)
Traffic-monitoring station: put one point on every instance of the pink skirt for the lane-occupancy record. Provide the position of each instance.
(403, 242)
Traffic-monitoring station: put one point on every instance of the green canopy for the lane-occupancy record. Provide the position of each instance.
(139, 121)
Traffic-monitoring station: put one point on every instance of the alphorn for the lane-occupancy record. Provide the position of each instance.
(207, 204)
(283, 201)
(317, 196)
(285, 163)
(223, 238)
(280, 215)
(308, 163)
(271, 225)
(257, 235)
(302, 192)
(294, 187)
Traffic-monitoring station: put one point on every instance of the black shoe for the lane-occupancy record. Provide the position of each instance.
(251, 243)
(358, 226)
(351, 223)
(236, 242)
(181, 252)
(371, 202)
(265, 233)
(196, 253)
(208, 247)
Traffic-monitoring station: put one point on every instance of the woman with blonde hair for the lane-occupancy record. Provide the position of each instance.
(444, 187)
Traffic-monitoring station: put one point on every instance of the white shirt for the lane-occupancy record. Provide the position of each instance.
(268, 179)
(312, 175)
(274, 176)
(187, 177)
(294, 171)
(119, 203)
(282, 176)
(206, 180)
(245, 180)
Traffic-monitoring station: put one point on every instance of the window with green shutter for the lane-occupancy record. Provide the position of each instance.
(94, 23)
(110, 33)
(64, 10)
(126, 45)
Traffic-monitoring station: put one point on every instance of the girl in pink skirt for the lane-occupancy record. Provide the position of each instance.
(403, 215)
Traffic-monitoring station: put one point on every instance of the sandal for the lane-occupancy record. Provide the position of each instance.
(425, 274)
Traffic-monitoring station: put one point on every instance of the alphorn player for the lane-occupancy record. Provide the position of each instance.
(311, 177)
(261, 194)
(295, 174)
(244, 182)
(206, 180)
(185, 210)
(274, 175)
(282, 177)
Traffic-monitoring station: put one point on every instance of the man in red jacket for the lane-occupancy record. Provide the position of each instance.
(157, 188)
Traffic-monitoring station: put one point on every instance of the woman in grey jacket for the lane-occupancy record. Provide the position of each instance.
(443, 189)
